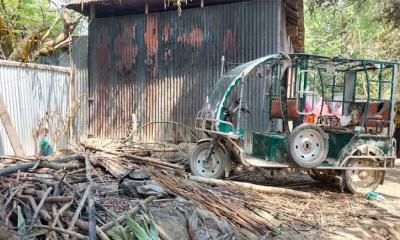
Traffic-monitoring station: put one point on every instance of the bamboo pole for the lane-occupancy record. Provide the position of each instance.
(254, 187)
(90, 202)
(85, 226)
(122, 218)
(61, 230)
(148, 160)
(54, 162)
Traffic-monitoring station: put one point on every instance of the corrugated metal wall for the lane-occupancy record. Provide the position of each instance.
(160, 67)
(79, 87)
(78, 61)
(29, 91)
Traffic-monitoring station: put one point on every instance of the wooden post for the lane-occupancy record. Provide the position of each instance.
(92, 11)
(10, 129)
(146, 8)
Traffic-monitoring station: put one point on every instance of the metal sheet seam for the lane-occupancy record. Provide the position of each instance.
(34, 66)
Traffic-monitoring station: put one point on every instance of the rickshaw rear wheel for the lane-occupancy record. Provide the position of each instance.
(214, 166)
(362, 181)
(308, 145)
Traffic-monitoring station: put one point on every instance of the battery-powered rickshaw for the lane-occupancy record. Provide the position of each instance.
(331, 116)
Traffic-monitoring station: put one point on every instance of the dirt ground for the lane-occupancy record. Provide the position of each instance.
(376, 219)
(385, 225)
(336, 215)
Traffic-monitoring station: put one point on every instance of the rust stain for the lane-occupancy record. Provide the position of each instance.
(195, 38)
(126, 48)
(167, 40)
(151, 35)
(230, 42)
(102, 49)
(167, 55)
(102, 88)
(151, 63)
(167, 34)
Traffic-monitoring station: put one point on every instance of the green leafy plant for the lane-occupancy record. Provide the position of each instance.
(22, 227)
(144, 229)
(21, 223)
(33, 28)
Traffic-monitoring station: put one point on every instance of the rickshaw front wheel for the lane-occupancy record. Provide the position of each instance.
(208, 164)
(308, 145)
(362, 180)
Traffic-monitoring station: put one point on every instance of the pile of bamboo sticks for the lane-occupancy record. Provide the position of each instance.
(40, 199)
(55, 197)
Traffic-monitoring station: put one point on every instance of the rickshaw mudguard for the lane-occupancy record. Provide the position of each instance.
(229, 147)
(210, 140)
(228, 165)
(370, 146)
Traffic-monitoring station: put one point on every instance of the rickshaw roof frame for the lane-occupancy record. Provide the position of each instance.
(340, 65)
(341, 60)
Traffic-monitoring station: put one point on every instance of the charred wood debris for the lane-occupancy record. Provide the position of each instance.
(122, 189)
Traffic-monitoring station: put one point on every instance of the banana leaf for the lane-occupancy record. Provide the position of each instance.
(21, 223)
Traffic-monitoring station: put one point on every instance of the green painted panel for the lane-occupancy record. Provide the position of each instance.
(337, 141)
(269, 146)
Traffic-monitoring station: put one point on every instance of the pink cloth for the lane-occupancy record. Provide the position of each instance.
(317, 109)
(308, 107)
(326, 110)
(338, 110)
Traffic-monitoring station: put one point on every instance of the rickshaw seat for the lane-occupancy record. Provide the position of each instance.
(377, 113)
(276, 109)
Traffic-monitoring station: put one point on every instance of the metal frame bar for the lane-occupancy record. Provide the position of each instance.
(380, 82)
(366, 108)
(393, 90)
(271, 164)
(304, 93)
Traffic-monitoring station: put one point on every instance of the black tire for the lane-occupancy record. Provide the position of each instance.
(308, 145)
(320, 176)
(314, 176)
(218, 157)
(351, 176)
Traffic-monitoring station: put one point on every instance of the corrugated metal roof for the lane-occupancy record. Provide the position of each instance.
(123, 7)
(292, 11)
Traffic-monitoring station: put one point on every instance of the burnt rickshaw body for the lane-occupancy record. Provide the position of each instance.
(331, 116)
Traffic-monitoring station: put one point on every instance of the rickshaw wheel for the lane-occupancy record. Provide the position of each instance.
(214, 167)
(362, 181)
(308, 145)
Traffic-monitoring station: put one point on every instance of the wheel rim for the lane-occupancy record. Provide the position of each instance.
(362, 180)
(308, 145)
(207, 167)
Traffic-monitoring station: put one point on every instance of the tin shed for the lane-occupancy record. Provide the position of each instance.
(148, 64)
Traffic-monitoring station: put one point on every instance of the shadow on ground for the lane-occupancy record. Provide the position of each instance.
(362, 218)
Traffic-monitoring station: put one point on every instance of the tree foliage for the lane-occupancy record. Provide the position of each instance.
(30, 28)
(354, 28)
